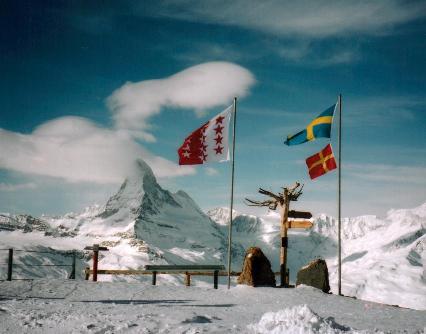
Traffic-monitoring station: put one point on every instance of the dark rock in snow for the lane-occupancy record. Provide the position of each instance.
(256, 269)
(314, 274)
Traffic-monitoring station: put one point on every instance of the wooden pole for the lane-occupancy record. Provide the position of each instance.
(215, 278)
(284, 240)
(187, 279)
(339, 204)
(10, 265)
(232, 194)
(95, 262)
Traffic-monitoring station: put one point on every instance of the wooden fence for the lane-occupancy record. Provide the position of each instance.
(11, 263)
(136, 272)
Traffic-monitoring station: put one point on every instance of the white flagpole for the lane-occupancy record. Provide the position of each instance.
(339, 204)
(232, 194)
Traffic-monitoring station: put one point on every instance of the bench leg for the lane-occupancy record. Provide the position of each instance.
(215, 278)
(187, 279)
(154, 277)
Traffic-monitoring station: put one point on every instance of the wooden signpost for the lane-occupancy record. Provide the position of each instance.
(299, 214)
(282, 200)
(299, 224)
(95, 248)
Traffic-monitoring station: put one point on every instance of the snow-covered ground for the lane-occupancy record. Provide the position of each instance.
(67, 306)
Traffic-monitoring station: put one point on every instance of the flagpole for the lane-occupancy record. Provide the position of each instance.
(339, 204)
(232, 194)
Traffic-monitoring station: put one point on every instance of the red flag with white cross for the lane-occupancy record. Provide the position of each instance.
(209, 143)
(321, 162)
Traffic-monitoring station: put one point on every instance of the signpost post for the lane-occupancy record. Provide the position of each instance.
(282, 200)
(95, 248)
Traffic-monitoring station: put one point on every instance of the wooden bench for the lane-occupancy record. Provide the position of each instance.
(188, 270)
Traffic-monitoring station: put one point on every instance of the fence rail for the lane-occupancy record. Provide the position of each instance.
(187, 273)
(10, 263)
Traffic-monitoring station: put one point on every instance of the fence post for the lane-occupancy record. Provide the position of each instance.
(95, 262)
(215, 279)
(95, 248)
(72, 274)
(154, 277)
(187, 279)
(10, 264)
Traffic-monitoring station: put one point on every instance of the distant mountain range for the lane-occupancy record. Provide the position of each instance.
(383, 259)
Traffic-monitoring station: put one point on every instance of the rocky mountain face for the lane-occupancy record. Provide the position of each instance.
(142, 223)
(28, 224)
(174, 224)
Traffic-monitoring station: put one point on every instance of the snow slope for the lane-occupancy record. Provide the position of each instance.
(383, 259)
(67, 306)
(142, 223)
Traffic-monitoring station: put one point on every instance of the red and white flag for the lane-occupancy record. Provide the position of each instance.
(321, 162)
(209, 143)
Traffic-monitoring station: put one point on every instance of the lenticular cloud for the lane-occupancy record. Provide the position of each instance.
(199, 87)
(79, 150)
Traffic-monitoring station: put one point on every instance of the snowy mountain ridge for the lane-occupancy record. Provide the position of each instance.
(383, 259)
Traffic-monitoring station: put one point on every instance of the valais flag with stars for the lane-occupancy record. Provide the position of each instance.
(209, 143)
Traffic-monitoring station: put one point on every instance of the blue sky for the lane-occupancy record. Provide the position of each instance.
(87, 87)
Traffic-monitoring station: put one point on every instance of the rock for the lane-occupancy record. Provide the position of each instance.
(314, 274)
(256, 269)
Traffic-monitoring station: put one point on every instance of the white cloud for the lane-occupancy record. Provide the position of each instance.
(380, 110)
(77, 150)
(295, 52)
(306, 53)
(208, 51)
(378, 173)
(199, 87)
(312, 19)
(17, 186)
(211, 171)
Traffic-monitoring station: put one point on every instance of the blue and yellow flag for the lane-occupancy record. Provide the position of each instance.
(319, 127)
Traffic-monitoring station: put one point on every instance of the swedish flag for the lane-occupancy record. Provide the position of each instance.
(319, 127)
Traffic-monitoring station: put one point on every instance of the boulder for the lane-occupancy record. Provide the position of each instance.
(314, 274)
(256, 269)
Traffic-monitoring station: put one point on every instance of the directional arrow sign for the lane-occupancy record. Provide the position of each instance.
(299, 214)
(299, 224)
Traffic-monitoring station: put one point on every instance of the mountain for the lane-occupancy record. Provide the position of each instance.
(142, 223)
(383, 258)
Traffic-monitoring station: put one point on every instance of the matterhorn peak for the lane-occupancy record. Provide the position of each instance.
(132, 190)
(140, 170)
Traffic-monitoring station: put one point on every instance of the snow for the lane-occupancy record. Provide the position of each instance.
(298, 319)
(68, 306)
(383, 257)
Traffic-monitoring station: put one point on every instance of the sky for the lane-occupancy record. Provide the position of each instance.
(86, 88)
